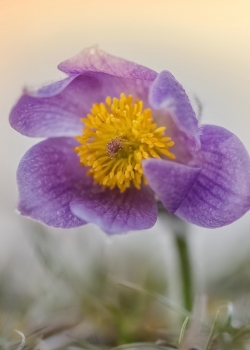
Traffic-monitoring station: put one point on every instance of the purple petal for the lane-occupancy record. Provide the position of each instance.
(49, 176)
(168, 96)
(171, 181)
(114, 212)
(51, 89)
(221, 193)
(56, 110)
(94, 60)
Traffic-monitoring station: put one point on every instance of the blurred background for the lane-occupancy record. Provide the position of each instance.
(206, 46)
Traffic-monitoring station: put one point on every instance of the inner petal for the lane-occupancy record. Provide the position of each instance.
(117, 136)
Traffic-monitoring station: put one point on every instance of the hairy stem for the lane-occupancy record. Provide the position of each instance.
(185, 270)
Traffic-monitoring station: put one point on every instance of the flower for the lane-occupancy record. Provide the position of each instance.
(117, 135)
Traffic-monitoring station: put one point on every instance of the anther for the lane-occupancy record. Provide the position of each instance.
(118, 135)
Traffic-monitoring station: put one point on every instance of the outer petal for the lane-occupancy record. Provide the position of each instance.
(168, 96)
(94, 60)
(115, 212)
(52, 89)
(171, 181)
(221, 193)
(56, 110)
(48, 177)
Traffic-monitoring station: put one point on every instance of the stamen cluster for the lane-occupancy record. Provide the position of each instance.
(116, 138)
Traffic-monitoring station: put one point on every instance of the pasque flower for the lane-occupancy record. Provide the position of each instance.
(117, 136)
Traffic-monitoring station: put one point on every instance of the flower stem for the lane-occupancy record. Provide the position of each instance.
(180, 235)
(185, 270)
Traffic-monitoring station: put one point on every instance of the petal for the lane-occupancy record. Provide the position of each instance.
(51, 89)
(221, 193)
(48, 177)
(116, 212)
(171, 181)
(56, 110)
(53, 110)
(168, 96)
(94, 60)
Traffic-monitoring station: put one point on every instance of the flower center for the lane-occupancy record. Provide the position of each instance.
(116, 138)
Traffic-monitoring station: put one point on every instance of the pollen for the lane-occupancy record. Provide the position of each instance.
(118, 135)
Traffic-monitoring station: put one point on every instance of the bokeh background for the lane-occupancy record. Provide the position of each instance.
(205, 44)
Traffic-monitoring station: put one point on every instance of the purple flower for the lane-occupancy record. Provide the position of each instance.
(117, 135)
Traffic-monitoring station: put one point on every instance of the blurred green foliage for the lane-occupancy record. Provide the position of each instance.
(116, 302)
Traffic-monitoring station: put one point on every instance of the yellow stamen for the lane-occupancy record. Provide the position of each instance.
(116, 138)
